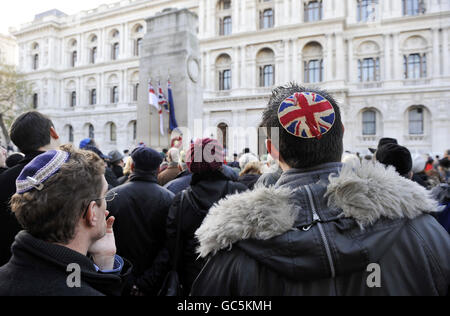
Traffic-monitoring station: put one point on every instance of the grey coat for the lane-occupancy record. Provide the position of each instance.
(319, 232)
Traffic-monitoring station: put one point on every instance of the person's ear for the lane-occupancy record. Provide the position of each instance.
(132, 167)
(343, 129)
(272, 150)
(91, 215)
(53, 133)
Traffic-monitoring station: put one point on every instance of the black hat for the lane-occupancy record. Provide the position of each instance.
(382, 142)
(115, 156)
(146, 159)
(395, 155)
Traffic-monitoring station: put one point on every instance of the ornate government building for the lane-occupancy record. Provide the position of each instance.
(386, 61)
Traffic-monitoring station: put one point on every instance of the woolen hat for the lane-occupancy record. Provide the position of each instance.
(397, 156)
(146, 159)
(383, 142)
(115, 156)
(204, 155)
(84, 143)
(40, 169)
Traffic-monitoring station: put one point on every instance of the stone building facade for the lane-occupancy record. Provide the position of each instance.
(386, 61)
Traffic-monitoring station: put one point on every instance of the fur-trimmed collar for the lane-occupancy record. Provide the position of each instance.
(365, 192)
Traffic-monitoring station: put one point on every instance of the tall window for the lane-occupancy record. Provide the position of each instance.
(314, 71)
(366, 10)
(115, 51)
(93, 55)
(112, 132)
(413, 7)
(73, 99)
(70, 134)
(226, 4)
(415, 66)
(313, 11)
(74, 59)
(416, 121)
(369, 69)
(226, 26)
(369, 123)
(225, 80)
(136, 92)
(222, 136)
(266, 78)
(115, 95)
(266, 19)
(93, 97)
(35, 101)
(36, 62)
(91, 131)
(138, 47)
(134, 130)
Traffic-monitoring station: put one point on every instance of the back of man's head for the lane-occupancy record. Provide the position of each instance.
(52, 213)
(146, 160)
(305, 152)
(397, 156)
(31, 131)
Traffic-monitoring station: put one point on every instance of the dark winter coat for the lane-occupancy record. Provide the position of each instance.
(180, 183)
(141, 209)
(313, 234)
(249, 180)
(9, 227)
(3, 170)
(204, 191)
(269, 179)
(38, 268)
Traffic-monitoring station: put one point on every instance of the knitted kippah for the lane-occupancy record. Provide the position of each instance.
(40, 169)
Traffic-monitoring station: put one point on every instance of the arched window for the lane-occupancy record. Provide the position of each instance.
(93, 55)
(223, 68)
(265, 61)
(35, 101)
(369, 122)
(136, 92)
(73, 99)
(115, 51)
(93, 97)
(36, 62)
(416, 121)
(225, 80)
(226, 26)
(74, 58)
(70, 132)
(115, 95)
(222, 130)
(313, 63)
(138, 47)
(112, 132)
(91, 134)
(415, 66)
(134, 130)
(369, 69)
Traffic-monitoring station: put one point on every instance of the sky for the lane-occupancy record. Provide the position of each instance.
(16, 12)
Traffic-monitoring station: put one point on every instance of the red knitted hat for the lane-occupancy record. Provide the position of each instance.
(204, 155)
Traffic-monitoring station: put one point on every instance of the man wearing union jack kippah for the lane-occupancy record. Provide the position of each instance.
(325, 228)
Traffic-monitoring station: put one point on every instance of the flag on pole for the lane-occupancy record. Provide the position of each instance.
(152, 98)
(161, 121)
(173, 125)
(162, 101)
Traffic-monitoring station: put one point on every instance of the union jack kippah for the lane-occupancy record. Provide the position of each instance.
(40, 169)
(306, 115)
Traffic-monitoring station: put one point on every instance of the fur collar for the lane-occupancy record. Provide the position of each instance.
(365, 192)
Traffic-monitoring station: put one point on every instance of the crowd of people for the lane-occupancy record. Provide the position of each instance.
(306, 219)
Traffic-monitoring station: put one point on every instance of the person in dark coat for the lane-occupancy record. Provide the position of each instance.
(61, 203)
(208, 186)
(325, 228)
(141, 209)
(250, 175)
(110, 176)
(116, 163)
(33, 133)
(14, 159)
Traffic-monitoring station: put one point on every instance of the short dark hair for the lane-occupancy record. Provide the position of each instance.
(52, 214)
(246, 150)
(299, 152)
(31, 131)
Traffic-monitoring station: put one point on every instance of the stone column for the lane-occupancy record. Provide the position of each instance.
(287, 68)
(436, 54)
(398, 63)
(445, 52)
(351, 11)
(295, 68)
(202, 15)
(387, 57)
(171, 46)
(235, 18)
(351, 66)
(235, 80)
(340, 58)
(243, 68)
(329, 58)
